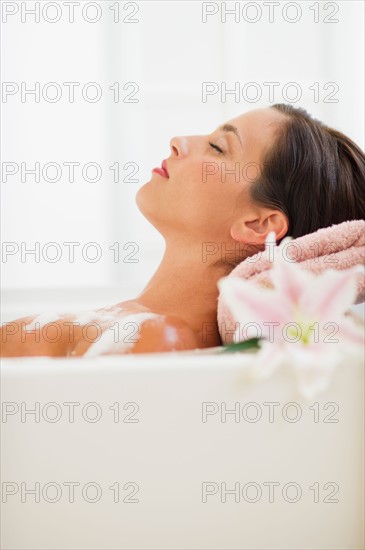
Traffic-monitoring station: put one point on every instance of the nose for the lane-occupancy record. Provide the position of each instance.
(179, 146)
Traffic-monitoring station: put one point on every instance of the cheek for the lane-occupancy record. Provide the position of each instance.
(201, 185)
(198, 178)
(188, 174)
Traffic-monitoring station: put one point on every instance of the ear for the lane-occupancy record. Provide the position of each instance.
(254, 228)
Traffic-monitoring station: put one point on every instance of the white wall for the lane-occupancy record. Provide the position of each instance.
(169, 53)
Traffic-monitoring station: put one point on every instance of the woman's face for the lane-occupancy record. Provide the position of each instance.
(207, 174)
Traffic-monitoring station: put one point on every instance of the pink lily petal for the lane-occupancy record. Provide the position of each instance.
(330, 294)
(313, 367)
(250, 304)
(268, 359)
(349, 331)
(290, 279)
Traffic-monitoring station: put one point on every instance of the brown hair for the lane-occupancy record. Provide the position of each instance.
(314, 174)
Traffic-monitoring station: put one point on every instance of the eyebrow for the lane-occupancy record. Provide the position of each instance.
(230, 128)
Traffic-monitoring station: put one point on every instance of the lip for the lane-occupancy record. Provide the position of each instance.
(162, 171)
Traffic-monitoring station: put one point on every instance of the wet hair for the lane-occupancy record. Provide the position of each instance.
(314, 174)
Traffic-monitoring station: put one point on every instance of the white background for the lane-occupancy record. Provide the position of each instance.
(169, 52)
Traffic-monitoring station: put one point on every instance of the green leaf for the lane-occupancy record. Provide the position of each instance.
(252, 343)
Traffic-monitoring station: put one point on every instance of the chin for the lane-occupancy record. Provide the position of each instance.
(146, 203)
(139, 198)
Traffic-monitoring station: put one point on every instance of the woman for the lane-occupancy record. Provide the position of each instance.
(274, 169)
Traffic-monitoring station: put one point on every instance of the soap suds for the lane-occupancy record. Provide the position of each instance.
(42, 320)
(121, 337)
(104, 315)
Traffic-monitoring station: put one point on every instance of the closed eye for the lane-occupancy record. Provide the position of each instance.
(216, 147)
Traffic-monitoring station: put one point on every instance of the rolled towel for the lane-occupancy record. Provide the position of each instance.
(339, 246)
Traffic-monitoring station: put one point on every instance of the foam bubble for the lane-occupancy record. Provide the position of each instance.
(121, 337)
(42, 320)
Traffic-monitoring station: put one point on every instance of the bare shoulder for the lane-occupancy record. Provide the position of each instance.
(139, 332)
(165, 333)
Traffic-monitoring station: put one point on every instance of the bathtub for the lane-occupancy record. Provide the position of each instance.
(180, 450)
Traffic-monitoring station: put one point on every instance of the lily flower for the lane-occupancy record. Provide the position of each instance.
(301, 319)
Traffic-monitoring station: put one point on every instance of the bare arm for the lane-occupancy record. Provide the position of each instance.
(23, 337)
(62, 338)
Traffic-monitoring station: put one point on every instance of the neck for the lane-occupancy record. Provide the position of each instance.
(186, 287)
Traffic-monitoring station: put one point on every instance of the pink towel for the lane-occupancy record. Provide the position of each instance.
(340, 246)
